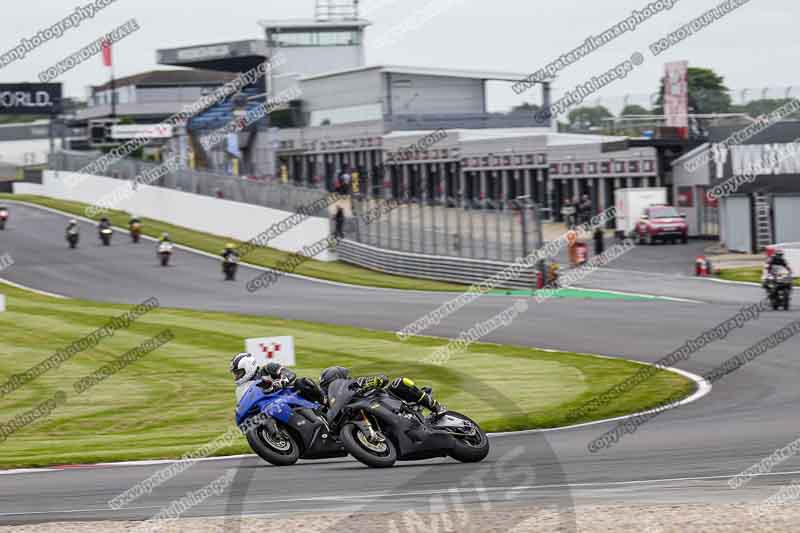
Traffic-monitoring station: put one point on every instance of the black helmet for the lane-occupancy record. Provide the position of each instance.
(331, 374)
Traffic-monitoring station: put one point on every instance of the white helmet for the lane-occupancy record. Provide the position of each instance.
(244, 368)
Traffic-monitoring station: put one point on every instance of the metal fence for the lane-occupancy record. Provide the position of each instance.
(274, 195)
(486, 230)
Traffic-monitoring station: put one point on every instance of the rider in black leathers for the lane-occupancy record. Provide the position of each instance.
(777, 259)
(403, 388)
(229, 251)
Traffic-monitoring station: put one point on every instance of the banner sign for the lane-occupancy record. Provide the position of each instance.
(30, 98)
(271, 349)
(676, 94)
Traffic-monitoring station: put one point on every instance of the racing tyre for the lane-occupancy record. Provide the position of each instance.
(376, 455)
(650, 240)
(164, 260)
(471, 449)
(685, 239)
(282, 451)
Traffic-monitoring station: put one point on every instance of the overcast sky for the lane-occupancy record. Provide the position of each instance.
(756, 46)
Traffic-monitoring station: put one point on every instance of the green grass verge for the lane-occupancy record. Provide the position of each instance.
(262, 256)
(751, 274)
(181, 395)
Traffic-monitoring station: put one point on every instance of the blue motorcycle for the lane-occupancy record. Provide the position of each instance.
(282, 427)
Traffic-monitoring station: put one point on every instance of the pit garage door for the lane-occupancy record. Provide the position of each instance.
(737, 224)
(787, 218)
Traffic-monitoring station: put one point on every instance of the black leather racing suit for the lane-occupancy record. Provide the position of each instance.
(403, 388)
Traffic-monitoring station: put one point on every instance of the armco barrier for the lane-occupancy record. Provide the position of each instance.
(453, 269)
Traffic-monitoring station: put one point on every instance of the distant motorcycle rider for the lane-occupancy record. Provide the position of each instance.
(135, 228)
(403, 388)
(104, 223)
(229, 253)
(72, 227)
(778, 259)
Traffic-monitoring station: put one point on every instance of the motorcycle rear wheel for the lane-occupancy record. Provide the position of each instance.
(382, 455)
(279, 452)
(470, 449)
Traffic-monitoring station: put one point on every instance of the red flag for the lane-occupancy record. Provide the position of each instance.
(107, 53)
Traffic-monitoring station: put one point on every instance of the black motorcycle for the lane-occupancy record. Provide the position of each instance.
(779, 285)
(378, 428)
(72, 237)
(105, 235)
(230, 264)
(3, 217)
(164, 252)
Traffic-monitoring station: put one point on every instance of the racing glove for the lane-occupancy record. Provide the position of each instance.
(372, 382)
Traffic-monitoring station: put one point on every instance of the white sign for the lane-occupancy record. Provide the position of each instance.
(761, 159)
(148, 131)
(206, 52)
(272, 349)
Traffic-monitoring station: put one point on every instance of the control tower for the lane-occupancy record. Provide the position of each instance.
(333, 40)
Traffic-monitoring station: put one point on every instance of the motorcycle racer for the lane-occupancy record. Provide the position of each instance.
(403, 388)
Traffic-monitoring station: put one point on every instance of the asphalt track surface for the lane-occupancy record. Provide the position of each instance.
(685, 455)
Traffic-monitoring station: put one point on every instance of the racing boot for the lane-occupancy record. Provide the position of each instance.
(436, 408)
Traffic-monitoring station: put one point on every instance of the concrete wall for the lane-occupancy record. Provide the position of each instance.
(202, 213)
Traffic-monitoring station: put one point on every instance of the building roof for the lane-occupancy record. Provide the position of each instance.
(426, 71)
(291, 24)
(172, 77)
(691, 154)
(488, 134)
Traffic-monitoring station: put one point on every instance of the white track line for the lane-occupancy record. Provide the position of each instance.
(428, 493)
(37, 291)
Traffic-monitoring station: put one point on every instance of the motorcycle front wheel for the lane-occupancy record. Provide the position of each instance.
(375, 454)
(279, 451)
(471, 448)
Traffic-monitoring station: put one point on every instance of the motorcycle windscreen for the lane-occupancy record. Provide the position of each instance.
(339, 395)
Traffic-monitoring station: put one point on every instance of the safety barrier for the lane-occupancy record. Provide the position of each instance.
(441, 268)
